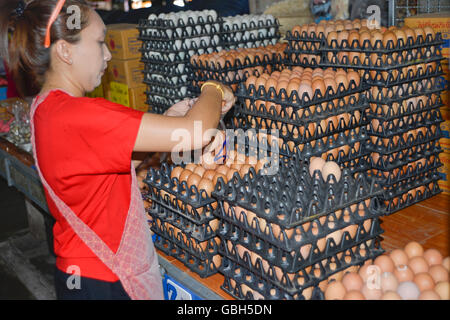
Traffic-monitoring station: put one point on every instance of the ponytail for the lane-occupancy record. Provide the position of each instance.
(22, 34)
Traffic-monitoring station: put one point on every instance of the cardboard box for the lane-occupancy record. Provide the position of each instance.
(439, 21)
(128, 72)
(130, 97)
(122, 41)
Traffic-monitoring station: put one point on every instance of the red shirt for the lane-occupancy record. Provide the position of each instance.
(84, 148)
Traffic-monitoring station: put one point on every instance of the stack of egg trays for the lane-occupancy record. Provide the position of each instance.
(405, 144)
(293, 202)
(250, 34)
(299, 44)
(166, 51)
(394, 81)
(175, 206)
(391, 61)
(232, 74)
(301, 131)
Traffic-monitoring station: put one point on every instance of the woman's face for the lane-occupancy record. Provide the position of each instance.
(90, 54)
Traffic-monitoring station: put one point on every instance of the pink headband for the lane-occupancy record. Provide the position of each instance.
(53, 17)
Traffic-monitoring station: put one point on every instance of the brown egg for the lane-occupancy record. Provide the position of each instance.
(282, 84)
(413, 249)
(193, 179)
(335, 291)
(318, 84)
(292, 86)
(209, 174)
(352, 281)
(367, 271)
(388, 282)
(353, 39)
(316, 163)
(200, 171)
(410, 34)
(223, 169)
(424, 281)
(217, 176)
(354, 295)
(443, 290)
(391, 295)
(403, 273)
(185, 175)
(332, 36)
(244, 169)
(418, 264)
(385, 263)
(353, 75)
(176, 172)
(331, 168)
(207, 185)
(305, 88)
(376, 38)
(446, 263)
(389, 37)
(438, 273)
(261, 81)
(419, 32)
(429, 295)
(399, 257)
(433, 257)
(371, 293)
(342, 79)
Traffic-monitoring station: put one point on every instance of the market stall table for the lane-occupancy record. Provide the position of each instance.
(426, 222)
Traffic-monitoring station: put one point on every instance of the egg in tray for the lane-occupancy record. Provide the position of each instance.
(181, 208)
(316, 112)
(284, 235)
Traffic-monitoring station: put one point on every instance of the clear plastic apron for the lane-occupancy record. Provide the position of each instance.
(135, 263)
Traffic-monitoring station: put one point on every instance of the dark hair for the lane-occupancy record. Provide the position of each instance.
(22, 35)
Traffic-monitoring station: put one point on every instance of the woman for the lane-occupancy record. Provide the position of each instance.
(83, 149)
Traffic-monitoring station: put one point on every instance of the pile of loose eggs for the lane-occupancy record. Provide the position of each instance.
(411, 273)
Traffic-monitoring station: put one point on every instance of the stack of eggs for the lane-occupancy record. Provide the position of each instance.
(411, 273)
(282, 235)
(169, 40)
(402, 65)
(304, 41)
(315, 112)
(249, 31)
(180, 208)
(232, 67)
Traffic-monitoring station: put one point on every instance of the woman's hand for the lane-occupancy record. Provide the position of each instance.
(228, 99)
(179, 109)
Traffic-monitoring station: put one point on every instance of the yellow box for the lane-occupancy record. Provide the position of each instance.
(439, 21)
(122, 41)
(130, 97)
(128, 72)
(138, 98)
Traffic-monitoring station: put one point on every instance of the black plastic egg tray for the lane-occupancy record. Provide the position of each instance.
(277, 284)
(406, 171)
(159, 105)
(429, 120)
(202, 258)
(389, 161)
(404, 108)
(348, 147)
(303, 42)
(415, 139)
(294, 191)
(405, 91)
(233, 73)
(406, 199)
(302, 59)
(170, 80)
(229, 39)
(235, 285)
(167, 30)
